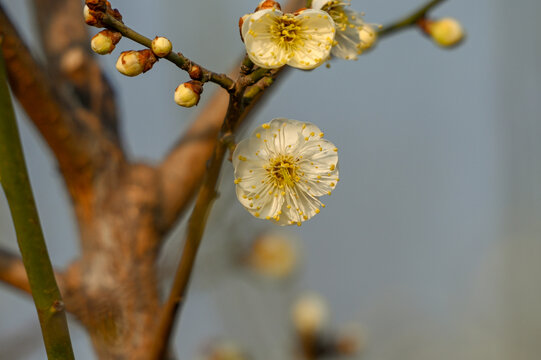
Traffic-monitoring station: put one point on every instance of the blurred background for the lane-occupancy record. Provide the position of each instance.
(431, 244)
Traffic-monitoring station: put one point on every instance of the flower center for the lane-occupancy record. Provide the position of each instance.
(285, 31)
(282, 171)
(337, 13)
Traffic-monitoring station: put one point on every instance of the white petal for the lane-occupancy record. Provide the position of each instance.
(316, 162)
(257, 37)
(317, 35)
(285, 134)
(267, 209)
(251, 18)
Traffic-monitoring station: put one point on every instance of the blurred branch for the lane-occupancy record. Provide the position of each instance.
(409, 20)
(72, 63)
(73, 133)
(18, 191)
(12, 271)
(196, 228)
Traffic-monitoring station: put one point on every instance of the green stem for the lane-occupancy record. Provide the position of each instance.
(409, 20)
(16, 184)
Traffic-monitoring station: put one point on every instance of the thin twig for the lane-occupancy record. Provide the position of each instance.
(196, 227)
(176, 58)
(14, 177)
(409, 20)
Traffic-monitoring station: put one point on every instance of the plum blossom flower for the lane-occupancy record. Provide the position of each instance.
(282, 169)
(348, 41)
(274, 39)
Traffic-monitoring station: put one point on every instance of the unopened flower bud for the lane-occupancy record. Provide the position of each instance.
(268, 4)
(189, 93)
(309, 314)
(349, 340)
(86, 13)
(104, 42)
(195, 72)
(133, 63)
(161, 46)
(368, 36)
(445, 32)
(89, 18)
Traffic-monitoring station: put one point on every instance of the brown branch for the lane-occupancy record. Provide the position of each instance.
(196, 228)
(12, 271)
(194, 149)
(72, 63)
(73, 133)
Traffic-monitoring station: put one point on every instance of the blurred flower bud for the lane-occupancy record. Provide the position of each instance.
(133, 63)
(161, 46)
(368, 36)
(309, 314)
(273, 255)
(268, 4)
(188, 94)
(104, 42)
(225, 351)
(446, 32)
(349, 340)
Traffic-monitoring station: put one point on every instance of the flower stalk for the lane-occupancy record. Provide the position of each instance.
(176, 58)
(16, 185)
(409, 20)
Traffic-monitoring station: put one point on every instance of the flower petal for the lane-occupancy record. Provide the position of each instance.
(282, 169)
(317, 36)
(256, 31)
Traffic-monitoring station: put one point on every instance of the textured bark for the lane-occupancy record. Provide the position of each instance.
(112, 288)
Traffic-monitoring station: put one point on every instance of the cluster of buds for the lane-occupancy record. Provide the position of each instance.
(133, 63)
(310, 318)
(445, 32)
(189, 93)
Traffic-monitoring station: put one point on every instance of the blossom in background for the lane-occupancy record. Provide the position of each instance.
(348, 42)
(274, 39)
(309, 314)
(273, 255)
(282, 169)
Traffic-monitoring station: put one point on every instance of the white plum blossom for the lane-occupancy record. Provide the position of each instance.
(274, 39)
(282, 169)
(348, 42)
